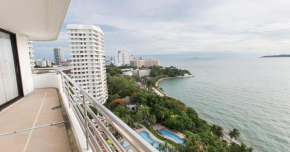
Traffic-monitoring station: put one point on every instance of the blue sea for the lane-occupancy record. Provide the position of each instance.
(252, 95)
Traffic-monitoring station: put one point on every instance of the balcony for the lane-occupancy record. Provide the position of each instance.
(35, 120)
(61, 116)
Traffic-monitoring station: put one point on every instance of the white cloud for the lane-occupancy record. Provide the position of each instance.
(171, 26)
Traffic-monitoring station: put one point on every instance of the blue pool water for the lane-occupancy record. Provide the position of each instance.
(171, 135)
(146, 136)
(130, 150)
(125, 144)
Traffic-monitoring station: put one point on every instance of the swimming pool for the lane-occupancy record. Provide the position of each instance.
(172, 136)
(131, 150)
(125, 144)
(146, 136)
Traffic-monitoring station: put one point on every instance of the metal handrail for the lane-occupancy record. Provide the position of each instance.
(137, 142)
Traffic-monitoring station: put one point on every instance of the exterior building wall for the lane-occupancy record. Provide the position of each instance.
(58, 56)
(144, 62)
(31, 55)
(128, 73)
(123, 58)
(48, 63)
(41, 63)
(143, 73)
(25, 66)
(86, 43)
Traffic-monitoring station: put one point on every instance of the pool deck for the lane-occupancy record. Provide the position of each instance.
(150, 134)
(158, 127)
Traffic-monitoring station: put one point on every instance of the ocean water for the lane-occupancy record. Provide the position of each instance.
(252, 95)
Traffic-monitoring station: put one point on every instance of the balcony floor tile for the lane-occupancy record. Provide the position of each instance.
(34, 109)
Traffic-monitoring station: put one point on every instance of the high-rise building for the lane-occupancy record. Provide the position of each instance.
(88, 59)
(31, 55)
(123, 58)
(144, 62)
(58, 56)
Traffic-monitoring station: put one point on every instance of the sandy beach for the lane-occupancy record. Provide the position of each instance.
(157, 82)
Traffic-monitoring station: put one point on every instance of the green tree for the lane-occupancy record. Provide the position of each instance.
(152, 120)
(139, 116)
(217, 130)
(161, 115)
(235, 133)
(121, 86)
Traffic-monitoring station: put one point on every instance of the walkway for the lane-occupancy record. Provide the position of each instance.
(38, 108)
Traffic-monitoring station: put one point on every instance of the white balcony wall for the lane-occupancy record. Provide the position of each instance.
(49, 80)
(24, 61)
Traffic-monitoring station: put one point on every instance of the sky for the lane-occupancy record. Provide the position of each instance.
(248, 28)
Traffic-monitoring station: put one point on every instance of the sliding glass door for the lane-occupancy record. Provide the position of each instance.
(9, 70)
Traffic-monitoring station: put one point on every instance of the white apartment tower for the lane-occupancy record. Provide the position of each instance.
(86, 43)
(31, 55)
(123, 58)
(58, 56)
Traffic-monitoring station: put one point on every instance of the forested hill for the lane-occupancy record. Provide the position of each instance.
(171, 71)
(276, 56)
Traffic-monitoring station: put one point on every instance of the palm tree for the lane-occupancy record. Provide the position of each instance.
(213, 128)
(235, 133)
(146, 112)
(243, 147)
(152, 120)
(217, 130)
(161, 115)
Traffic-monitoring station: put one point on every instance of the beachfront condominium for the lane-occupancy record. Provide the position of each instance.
(123, 58)
(144, 62)
(58, 56)
(86, 44)
(31, 55)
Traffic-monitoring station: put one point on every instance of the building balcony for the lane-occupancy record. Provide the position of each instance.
(36, 123)
(58, 116)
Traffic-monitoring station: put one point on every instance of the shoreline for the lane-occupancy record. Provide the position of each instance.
(159, 80)
(225, 137)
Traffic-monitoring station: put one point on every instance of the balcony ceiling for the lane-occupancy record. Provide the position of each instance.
(39, 20)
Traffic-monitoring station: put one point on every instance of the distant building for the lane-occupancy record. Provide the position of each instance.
(126, 70)
(123, 58)
(58, 55)
(31, 55)
(128, 73)
(48, 63)
(43, 63)
(144, 62)
(141, 72)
